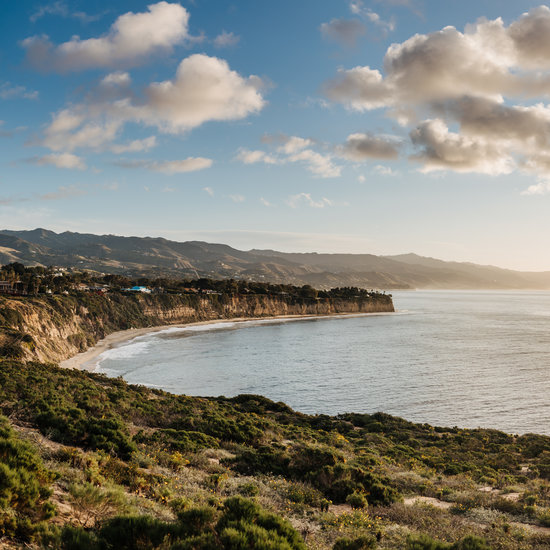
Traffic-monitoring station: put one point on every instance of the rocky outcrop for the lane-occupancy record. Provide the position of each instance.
(52, 329)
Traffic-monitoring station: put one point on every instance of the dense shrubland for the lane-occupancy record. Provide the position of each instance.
(123, 466)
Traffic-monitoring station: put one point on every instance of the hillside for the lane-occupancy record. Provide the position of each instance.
(92, 463)
(146, 256)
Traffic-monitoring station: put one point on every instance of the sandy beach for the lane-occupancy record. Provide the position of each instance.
(85, 360)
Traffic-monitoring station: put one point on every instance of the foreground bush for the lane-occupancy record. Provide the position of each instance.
(240, 525)
(24, 486)
(424, 542)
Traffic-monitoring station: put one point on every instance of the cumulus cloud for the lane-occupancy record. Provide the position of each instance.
(61, 160)
(360, 147)
(204, 89)
(131, 38)
(294, 201)
(226, 40)
(292, 144)
(72, 129)
(487, 60)
(208, 190)
(293, 149)
(344, 31)
(444, 150)
(13, 91)
(471, 81)
(169, 167)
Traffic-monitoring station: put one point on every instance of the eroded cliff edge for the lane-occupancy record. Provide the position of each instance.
(54, 328)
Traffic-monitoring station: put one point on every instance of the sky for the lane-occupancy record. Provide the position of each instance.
(374, 126)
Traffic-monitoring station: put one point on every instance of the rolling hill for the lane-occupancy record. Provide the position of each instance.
(147, 256)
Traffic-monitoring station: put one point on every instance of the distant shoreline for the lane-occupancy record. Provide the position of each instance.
(83, 360)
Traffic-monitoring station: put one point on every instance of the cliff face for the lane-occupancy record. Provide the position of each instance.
(55, 328)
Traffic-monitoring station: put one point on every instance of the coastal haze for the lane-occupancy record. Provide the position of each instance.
(157, 257)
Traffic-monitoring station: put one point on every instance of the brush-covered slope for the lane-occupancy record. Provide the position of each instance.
(146, 256)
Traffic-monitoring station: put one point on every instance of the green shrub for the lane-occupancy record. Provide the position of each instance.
(424, 542)
(356, 500)
(360, 543)
(76, 538)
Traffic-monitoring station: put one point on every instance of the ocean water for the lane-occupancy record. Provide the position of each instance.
(467, 359)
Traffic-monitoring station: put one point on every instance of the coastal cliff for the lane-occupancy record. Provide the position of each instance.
(54, 328)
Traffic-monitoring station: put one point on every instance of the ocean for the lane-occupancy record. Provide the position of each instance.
(460, 358)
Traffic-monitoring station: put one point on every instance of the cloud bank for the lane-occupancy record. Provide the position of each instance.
(473, 81)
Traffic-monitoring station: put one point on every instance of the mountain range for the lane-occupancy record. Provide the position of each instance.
(147, 256)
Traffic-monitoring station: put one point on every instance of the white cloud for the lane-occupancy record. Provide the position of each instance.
(252, 157)
(226, 40)
(72, 130)
(294, 201)
(12, 91)
(61, 9)
(209, 191)
(132, 38)
(169, 167)
(444, 150)
(61, 160)
(467, 81)
(293, 149)
(361, 147)
(345, 31)
(383, 170)
(542, 187)
(293, 144)
(361, 178)
(316, 163)
(265, 202)
(486, 60)
(137, 145)
(118, 78)
(237, 198)
(357, 8)
(204, 89)
(191, 164)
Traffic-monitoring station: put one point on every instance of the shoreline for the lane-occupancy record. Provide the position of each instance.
(83, 360)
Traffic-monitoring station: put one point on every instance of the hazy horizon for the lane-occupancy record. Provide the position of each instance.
(288, 251)
(355, 126)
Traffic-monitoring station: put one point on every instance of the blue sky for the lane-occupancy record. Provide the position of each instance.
(375, 126)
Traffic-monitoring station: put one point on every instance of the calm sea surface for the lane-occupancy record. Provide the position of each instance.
(464, 359)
